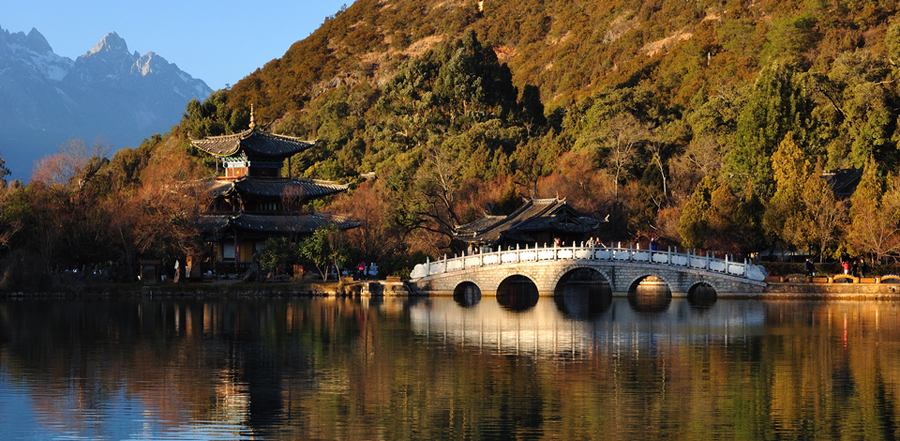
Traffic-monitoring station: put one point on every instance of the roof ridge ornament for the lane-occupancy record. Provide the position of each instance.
(252, 121)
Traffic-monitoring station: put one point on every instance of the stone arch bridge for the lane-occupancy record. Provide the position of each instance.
(622, 268)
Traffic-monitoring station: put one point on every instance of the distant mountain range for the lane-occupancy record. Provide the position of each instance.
(107, 93)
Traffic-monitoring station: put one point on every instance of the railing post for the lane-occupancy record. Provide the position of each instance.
(445, 262)
(707, 260)
(427, 266)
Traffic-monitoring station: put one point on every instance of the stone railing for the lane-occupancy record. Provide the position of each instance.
(618, 253)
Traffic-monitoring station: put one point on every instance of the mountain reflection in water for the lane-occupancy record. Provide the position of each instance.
(581, 365)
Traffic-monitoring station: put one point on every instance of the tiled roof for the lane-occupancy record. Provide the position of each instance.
(479, 225)
(306, 223)
(213, 223)
(220, 188)
(274, 224)
(536, 215)
(254, 142)
(266, 187)
(843, 182)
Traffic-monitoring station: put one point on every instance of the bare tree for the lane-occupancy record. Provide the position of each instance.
(622, 136)
(70, 164)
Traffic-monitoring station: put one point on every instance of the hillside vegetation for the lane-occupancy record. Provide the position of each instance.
(707, 124)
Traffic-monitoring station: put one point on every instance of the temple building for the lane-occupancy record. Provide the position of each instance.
(253, 202)
(538, 222)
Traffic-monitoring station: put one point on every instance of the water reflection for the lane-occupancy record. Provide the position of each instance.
(389, 368)
(583, 301)
(550, 331)
(650, 297)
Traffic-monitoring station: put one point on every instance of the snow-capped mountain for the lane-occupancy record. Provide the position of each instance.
(108, 93)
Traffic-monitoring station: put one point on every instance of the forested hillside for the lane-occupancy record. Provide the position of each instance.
(707, 124)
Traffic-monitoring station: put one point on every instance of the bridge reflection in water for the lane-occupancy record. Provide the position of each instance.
(573, 324)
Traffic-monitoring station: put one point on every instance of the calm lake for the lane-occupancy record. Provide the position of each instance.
(573, 367)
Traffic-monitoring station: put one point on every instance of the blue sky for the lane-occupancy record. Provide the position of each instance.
(219, 42)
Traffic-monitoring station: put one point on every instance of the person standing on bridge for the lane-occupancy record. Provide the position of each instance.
(810, 267)
(556, 242)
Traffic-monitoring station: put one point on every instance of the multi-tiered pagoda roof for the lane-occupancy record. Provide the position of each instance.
(253, 200)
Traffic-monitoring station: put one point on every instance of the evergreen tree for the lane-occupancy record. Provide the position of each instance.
(778, 104)
(693, 226)
(786, 219)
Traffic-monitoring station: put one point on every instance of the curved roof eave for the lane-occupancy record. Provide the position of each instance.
(255, 141)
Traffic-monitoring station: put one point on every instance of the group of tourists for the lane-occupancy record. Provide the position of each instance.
(852, 267)
(594, 242)
(855, 268)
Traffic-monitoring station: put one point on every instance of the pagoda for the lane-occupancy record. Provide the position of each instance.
(252, 202)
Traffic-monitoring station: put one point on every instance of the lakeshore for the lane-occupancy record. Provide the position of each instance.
(800, 288)
(779, 288)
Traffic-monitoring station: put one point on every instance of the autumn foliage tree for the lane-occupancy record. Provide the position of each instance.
(874, 224)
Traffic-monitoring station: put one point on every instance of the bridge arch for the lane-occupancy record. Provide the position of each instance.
(703, 284)
(702, 295)
(661, 280)
(582, 292)
(467, 294)
(517, 293)
(564, 274)
(654, 297)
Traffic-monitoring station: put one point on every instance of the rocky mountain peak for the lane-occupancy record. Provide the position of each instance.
(111, 43)
(46, 98)
(149, 63)
(37, 43)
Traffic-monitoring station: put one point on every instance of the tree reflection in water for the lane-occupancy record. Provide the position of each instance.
(395, 368)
